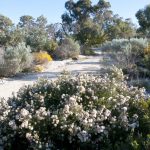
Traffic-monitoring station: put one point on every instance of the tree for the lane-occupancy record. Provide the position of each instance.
(10, 35)
(143, 16)
(41, 22)
(5, 27)
(26, 21)
(82, 19)
(90, 34)
(34, 31)
(5, 23)
(52, 30)
(37, 33)
(120, 28)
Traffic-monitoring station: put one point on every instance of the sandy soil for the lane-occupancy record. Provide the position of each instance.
(89, 64)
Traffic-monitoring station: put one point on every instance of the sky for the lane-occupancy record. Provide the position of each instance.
(53, 9)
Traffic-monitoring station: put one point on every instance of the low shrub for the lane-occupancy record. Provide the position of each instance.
(132, 55)
(82, 112)
(9, 68)
(119, 45)
(15, 59)
(51, 46)
(41, 57)
(68, 49)
(86, 50)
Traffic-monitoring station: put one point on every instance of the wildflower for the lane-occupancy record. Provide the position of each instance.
(24, 112)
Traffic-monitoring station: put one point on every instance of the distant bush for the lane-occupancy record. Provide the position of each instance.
(82, 112)
(50, 46)
(68, 49)
(41, 57)
(15, 59)
(86, 50)
(134, 46)
(128, 54)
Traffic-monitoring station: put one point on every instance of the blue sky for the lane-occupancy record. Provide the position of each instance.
(52, 9)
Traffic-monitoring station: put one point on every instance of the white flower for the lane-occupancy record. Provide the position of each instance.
(107, 113)
(29, 136)
(41, 113)
(55, 120)
(94, 113)
(24, 112)
(12, 124)
(66, 109)
(81, 89)
(100, 129)
(124, 109)
(24, 124)
(72, 100)
(90, 120)
(135, 116)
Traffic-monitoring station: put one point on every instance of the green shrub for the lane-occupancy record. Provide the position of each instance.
(82, 112)
(50, 46)
(68, 49)
(15, 59)
(119, 45)
(128, 54)
(87, 50)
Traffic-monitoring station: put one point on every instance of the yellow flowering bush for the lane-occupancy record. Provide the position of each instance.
(41, 57)
(38, 68)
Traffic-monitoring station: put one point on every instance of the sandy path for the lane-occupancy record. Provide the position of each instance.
(90, 64)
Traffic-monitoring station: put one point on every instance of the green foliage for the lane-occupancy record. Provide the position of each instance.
(15, 59)
(82, 19)
(38, 35)
(94, 24)
(68, 49)
(5, 28)
(26, 21)
(126, 52)
(37, 39)
(132, 56)
(5, 23)
(90, 34)
(9, 34)
(147, 61)
(118, 45)
(143, 16)
(86, 50)
(120, 29)
(51, 46)
(82, 112)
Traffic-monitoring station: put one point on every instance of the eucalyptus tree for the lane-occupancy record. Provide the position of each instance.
(143, 16)
(9, 33)
(84, 20)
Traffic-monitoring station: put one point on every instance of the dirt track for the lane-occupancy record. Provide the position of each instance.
(89, 65)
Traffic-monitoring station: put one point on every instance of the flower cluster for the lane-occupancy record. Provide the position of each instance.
(80, 112)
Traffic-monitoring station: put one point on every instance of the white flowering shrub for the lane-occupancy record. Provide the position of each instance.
(82, 112)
